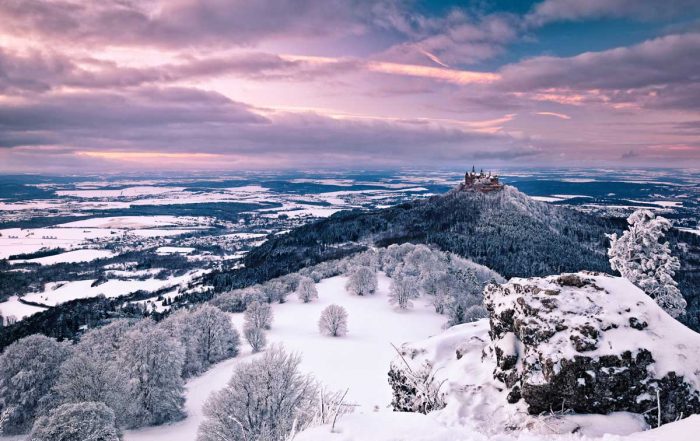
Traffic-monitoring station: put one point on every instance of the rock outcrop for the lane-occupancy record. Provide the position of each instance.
(592, 343)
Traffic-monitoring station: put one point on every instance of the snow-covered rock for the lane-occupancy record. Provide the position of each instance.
(592, 343)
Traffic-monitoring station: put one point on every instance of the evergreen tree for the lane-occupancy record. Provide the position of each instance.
(643, 257)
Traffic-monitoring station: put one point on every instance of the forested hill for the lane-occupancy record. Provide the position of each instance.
(506, 231)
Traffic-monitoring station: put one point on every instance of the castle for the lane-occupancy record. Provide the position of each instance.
(481, 182)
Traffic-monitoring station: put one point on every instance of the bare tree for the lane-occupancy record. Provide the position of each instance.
(334, 321)
(275, 291)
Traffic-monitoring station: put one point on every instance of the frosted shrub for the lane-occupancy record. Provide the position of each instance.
(333, 321)
(266, 399)
(415, 389)
(85, 421)
(643, 257)
(29, 368)
(362, 281)
(306, 290)
(258, 315)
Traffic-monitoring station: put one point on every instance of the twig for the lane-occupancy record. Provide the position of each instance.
(337, 410)
(402, 358)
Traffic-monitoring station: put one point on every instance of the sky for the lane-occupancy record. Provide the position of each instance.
(138, 85)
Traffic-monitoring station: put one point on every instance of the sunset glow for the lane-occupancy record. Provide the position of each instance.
(228, 84)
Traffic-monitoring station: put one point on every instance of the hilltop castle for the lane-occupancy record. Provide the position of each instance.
(484, 183)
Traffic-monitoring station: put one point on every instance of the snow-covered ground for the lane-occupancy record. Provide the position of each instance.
(20, 241)
(400, 426)
(477, 409)
(131, 222)
(358, 362)
(85, 255)
(14, 309)
(174, 250)
(56, 293)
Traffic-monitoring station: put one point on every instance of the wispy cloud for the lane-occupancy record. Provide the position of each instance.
(554, 114)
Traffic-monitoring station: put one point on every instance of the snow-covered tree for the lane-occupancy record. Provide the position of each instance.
(369, 258)
(432, 281)
(153, 360)
(333, 321)
(104, 342)
(256, 338)
(290, 281)
(643, 257)
(84, 421)
(85, 377)
(28, 371)
(362, 281)
(465, 297)
(403, 289)
(92, 372)
(275, 291)
(207, 335)
(265, 399)
(237, 300)
(215, 337)
(258, 315)
(306, 290)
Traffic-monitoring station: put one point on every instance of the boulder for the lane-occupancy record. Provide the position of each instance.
(592, 343)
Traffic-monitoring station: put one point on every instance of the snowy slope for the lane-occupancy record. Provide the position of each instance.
(359, 361)
(477, 410)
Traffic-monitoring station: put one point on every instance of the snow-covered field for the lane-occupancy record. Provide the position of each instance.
(61, 292)
(72, 235)
(358, 362)
(131, 222)
(56, 293)
(17, 310)
(85, 255)
(174, 250)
